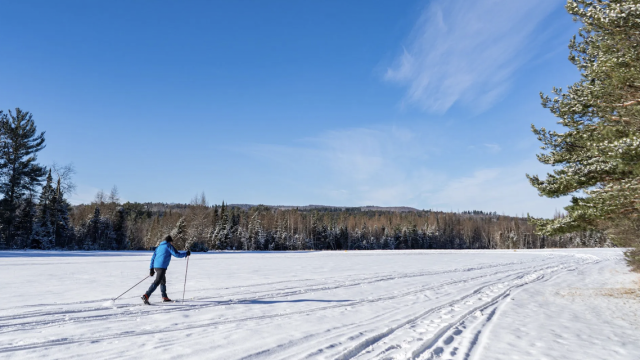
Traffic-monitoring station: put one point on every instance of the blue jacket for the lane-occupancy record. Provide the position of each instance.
(162, 256)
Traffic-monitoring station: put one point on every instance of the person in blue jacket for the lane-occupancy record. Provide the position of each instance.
(159, 264)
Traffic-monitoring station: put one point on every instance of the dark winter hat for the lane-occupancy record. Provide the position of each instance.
(168, 238)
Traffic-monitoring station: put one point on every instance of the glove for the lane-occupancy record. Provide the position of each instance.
(151, 272)
(188, 252)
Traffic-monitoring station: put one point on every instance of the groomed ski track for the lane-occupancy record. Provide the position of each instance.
(307, 305)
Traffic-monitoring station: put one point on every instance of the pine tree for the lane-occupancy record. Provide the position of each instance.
(599, 151)
(64, 234)
(92, 231)
(44, 225)
(120, 228)
(255, 233)
(19, 173)
(220, 235)
(23, 229)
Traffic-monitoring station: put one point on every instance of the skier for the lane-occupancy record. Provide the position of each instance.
(159, 263)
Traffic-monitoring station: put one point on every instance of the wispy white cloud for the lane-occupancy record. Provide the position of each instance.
(357, 166)
(493, 148)
(466, 51)
(505, 190)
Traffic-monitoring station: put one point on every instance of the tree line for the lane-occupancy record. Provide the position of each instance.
(200, 227)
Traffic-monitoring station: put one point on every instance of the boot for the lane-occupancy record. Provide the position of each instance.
(166, 299)
(145, 298)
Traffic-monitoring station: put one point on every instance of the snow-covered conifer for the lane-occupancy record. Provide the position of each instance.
(221, 232)
(179, 234)
(120, 228)
(44, 224)
(20, 173)
(599, 151)
(25, 217)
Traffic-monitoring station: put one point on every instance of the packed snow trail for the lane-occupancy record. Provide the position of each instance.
(325, 305)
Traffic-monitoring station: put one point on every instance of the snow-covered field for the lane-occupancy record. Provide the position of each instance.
(551, 304)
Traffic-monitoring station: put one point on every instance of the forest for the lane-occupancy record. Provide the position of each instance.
(107, 224)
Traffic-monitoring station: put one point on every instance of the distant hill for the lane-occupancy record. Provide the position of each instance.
(388, 208)
(328, 207)
(161, 207)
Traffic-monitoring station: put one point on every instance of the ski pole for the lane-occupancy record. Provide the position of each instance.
(185, 279)
(148, 276)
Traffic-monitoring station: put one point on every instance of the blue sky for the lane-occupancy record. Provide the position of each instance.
(416, 103)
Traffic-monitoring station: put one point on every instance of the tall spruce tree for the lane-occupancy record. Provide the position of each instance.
(599, 151)
(63, 231)
(220, 235)
(120, 228)
(91, 231)
(44, 224)
(23, 227)
(19, 172)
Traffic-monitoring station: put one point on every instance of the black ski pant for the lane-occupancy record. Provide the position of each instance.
(161, 280)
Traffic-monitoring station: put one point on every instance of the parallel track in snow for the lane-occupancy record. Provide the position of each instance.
(7, 322)
(402, 341)
(453, 326)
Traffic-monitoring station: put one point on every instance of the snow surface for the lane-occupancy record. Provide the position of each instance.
(538, 304)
